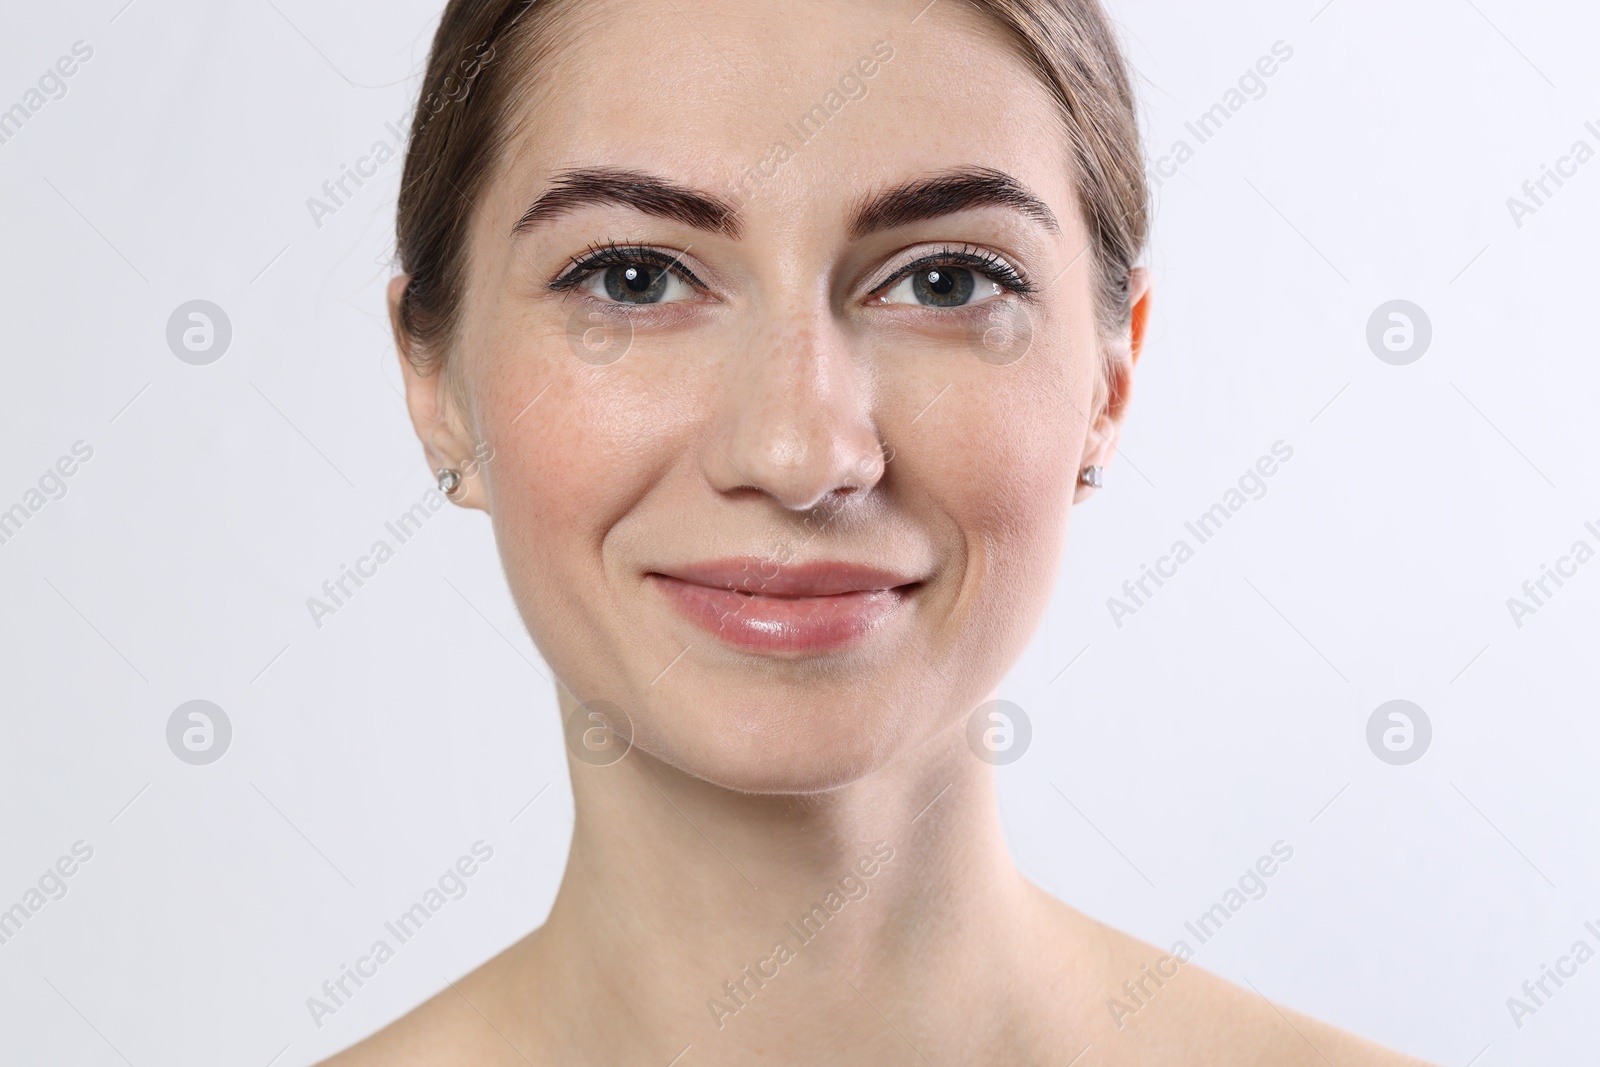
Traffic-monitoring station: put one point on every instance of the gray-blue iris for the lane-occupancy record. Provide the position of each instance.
(636, 283)
(942, 286)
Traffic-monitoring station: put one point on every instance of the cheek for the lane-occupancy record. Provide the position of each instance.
(1004, 473)
(566, 469)
(1012, 446)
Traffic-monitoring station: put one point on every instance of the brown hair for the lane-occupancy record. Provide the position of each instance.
(476, 76)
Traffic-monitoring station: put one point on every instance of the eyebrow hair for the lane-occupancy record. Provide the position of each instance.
(945, 194)
(644, 192)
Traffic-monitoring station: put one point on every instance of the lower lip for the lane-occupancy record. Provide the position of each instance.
(759, 623)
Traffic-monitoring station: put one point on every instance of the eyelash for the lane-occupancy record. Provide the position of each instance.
(981, 260)
(611, 254)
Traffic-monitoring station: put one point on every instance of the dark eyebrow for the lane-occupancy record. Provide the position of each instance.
(643, 192)
(945, 194)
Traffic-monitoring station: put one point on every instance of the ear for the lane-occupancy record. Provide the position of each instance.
(1105, 428)
(445, 440)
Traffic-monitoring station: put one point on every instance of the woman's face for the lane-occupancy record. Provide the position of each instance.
(785, 474)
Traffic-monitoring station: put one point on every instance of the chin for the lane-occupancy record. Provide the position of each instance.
(773, 744)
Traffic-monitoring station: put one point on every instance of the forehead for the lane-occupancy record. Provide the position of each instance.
(787, 105)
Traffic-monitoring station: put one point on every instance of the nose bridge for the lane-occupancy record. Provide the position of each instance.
(796, 414)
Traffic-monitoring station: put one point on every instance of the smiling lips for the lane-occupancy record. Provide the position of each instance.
(761, 605)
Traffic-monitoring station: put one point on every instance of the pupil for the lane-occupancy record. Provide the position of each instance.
(940, 283)
(638, 280)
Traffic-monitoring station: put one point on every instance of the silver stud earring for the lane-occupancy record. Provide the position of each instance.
(449, 480)
(1092, 476)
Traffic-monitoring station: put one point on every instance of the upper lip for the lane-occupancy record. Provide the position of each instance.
(772, 577)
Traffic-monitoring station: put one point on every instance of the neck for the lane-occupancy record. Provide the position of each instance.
(693, 915)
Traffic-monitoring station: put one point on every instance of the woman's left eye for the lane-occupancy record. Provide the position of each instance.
(638, 283)
(942, 287)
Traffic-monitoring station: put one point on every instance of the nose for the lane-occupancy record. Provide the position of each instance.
(795, 418)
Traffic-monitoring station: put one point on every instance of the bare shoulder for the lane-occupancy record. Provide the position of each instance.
(1157, 1008)
(470, 1022)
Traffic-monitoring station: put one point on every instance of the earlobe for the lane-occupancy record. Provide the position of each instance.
(446, 446)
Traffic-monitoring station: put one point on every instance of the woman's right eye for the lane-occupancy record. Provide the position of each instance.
(638, 283)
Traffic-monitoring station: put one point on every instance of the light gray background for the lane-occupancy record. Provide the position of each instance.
(1227, 714)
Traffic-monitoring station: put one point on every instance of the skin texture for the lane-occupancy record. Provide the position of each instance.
(785, 414)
